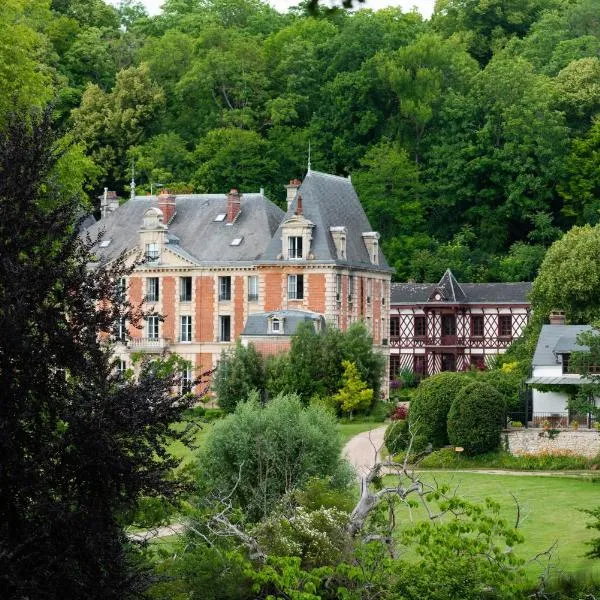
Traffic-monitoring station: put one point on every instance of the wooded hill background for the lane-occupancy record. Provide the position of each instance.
(473, 138)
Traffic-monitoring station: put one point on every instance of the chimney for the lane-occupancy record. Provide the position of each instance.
(291, 188)
(109, 202)
(299, 205)
(557, 317)
(166, 204)
(233, 205)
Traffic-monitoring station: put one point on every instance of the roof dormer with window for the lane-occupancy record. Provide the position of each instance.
(297, 236)
(153, 235)
(339, 234)
(371, 240)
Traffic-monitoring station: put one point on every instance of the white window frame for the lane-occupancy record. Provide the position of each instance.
(185, 328)
(252, 288)
(295, 291)
(224, 288)
(152, 289)
(186, 379)
(152, 327)
(182, 286)
(222, 328)
(295, 247)
(153, 252)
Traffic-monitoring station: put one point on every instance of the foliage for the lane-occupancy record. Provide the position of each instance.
(354, 394)
(476, 418)
(447, 458)
(258, 454)
(314, 364)
(80, 446)
(430, 406)
(397, 436)
(568, 278)
(508, 383)
(239, 372)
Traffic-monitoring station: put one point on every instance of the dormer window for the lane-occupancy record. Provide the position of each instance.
(276, 326)
(295, 247)
(371, 240)
(339, 239)
(152, 252)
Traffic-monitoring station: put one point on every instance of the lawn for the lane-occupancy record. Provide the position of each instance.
(180, 450)
(550, 511)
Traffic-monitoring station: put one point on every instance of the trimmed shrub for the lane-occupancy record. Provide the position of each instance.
(396, 436)
(508, 384)
(429, 407)
(476, 418)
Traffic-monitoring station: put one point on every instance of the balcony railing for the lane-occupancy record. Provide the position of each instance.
(449, 340)
(149, 344)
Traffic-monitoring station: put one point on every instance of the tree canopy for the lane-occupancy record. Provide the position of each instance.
(461, 130)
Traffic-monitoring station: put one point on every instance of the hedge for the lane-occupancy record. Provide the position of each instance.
(476, 419)
(430, 405)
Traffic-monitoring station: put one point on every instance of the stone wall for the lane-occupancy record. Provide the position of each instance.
(584, 442)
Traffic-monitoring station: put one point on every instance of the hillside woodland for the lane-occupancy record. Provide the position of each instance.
(472, 138)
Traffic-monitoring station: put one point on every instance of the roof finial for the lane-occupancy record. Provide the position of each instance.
(309, 156)
(132, 196)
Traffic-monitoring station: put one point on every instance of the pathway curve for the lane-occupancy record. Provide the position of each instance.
(157, 532)
(362, 451)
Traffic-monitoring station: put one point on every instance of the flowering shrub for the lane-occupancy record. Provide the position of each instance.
(400, 413)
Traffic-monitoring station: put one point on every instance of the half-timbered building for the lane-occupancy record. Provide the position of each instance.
(452, 326)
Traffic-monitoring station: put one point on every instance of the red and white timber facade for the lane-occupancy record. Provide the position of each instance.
(450, 326)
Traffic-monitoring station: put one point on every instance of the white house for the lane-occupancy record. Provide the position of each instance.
(551, 368)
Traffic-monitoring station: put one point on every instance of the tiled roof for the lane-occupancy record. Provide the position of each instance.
(462, 293)
(549, 339)
(257, 324)
(330, 201)
(193, 231)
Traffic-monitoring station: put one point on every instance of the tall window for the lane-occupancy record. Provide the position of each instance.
(225, 288)
(121, 289)
(185, 289)
(350, 287)
(505, 325)
(186, 379)
(121, 368)
(185, 328)
(224, 328)
(338, 287)
(394, 326)
(152, 289)
(152, 327)
(448, 362)
(477, 325)
(252, 288)
(121, 329)
(394, 365)
(152, 252)
(295, 247)
(420, 327)
(369, 290)
(449, 327)
(295, 287)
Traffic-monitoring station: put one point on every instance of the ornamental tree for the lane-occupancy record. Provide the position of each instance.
(354, 394)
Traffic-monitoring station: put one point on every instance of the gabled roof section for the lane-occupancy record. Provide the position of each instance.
(330, 201)
(553, 336)
(193, 232)
(472, 293)
(448, 289)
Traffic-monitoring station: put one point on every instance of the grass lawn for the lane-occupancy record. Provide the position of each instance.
(179, 450)
(550, 511)
(349, 430)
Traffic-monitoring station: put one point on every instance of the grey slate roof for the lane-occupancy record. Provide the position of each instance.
(550, 336)
(330, 201)
(193, 232)
(257, 323)
(461, 293)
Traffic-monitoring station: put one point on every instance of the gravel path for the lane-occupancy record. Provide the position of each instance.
(361, 449)
(157, 532)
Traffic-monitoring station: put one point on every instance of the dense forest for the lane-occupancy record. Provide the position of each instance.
(472, 138)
